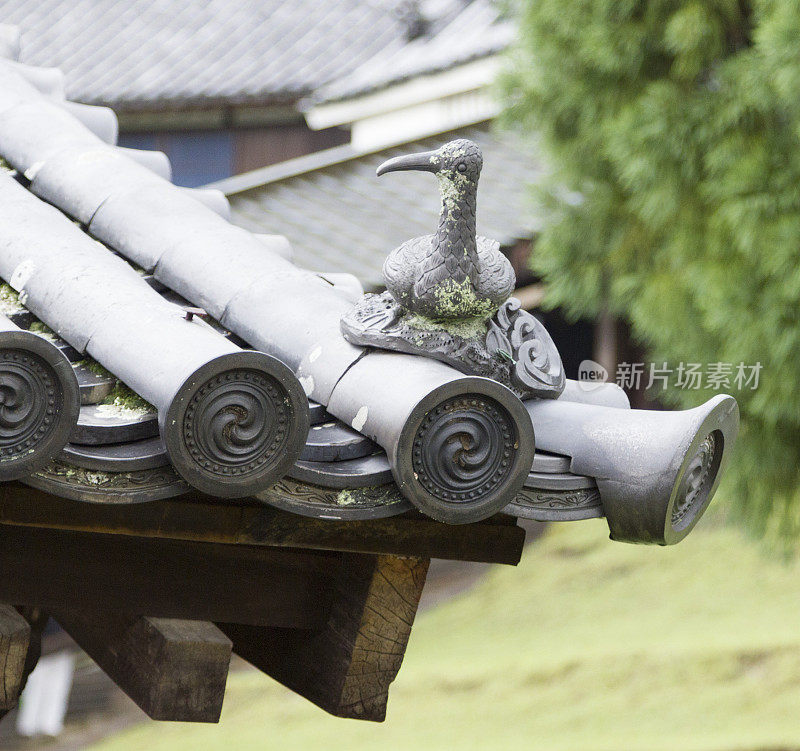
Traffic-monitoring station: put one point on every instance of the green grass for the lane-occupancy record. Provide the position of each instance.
(588, 644)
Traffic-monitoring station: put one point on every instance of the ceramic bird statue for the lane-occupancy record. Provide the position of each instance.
(453, 273)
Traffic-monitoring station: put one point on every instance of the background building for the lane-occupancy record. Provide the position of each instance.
(215, 85)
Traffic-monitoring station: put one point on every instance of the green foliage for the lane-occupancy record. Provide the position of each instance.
(672, 129)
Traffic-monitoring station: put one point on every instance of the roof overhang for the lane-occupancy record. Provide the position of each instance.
(427, 104)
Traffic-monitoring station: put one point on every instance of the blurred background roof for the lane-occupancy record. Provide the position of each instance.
(145, 53)
(256, 63)
(477, 29)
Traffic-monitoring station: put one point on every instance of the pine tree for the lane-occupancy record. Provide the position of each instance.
(672, 133)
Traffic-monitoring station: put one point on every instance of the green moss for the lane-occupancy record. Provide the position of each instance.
(466, 328)
(451, 192)
(458, 300)
(369, 495)
(126, 402)
(346, 498)
(452, 185)
(96, 478)
(37, 327)
(9, 300)
(96, 368)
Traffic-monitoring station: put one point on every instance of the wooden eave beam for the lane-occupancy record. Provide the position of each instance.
(59, 569)
(200, 519)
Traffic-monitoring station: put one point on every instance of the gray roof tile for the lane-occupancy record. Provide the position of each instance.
(135, 53)
(476, 30)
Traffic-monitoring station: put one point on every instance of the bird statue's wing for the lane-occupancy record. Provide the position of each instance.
(400, 266)
(438, 265)
(497, 275)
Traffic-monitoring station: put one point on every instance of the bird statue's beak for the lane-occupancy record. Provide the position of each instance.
(425, 161)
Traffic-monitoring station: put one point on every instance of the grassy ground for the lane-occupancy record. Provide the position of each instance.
(588, 644)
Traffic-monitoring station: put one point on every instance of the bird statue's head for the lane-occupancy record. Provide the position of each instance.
(458, 162)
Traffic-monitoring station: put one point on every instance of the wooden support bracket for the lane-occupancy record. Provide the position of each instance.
(345, 667)
(173, 669)
(15, 634)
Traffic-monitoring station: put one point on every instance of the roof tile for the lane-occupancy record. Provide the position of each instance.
(474, 30)
(135, 53)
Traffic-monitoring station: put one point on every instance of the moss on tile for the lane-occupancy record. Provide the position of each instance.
(43, 330)
(124, 402)
(9, 300)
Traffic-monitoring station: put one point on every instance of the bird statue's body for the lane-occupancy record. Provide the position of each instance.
(448, 294)
(452, 274)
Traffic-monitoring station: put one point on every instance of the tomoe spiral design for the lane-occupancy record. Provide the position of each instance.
(30, 401)
(697, 481)
(464, 448)
(236, 423)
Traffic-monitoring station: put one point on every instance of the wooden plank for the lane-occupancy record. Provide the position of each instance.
(496, 540)
(173, 669)
(165, 578)
(15, 633)
(347, 666)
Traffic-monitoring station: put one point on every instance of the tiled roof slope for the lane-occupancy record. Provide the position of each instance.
(479, 29)
(231, 421)
(109, 255)
(339, 216)
(137, 53)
